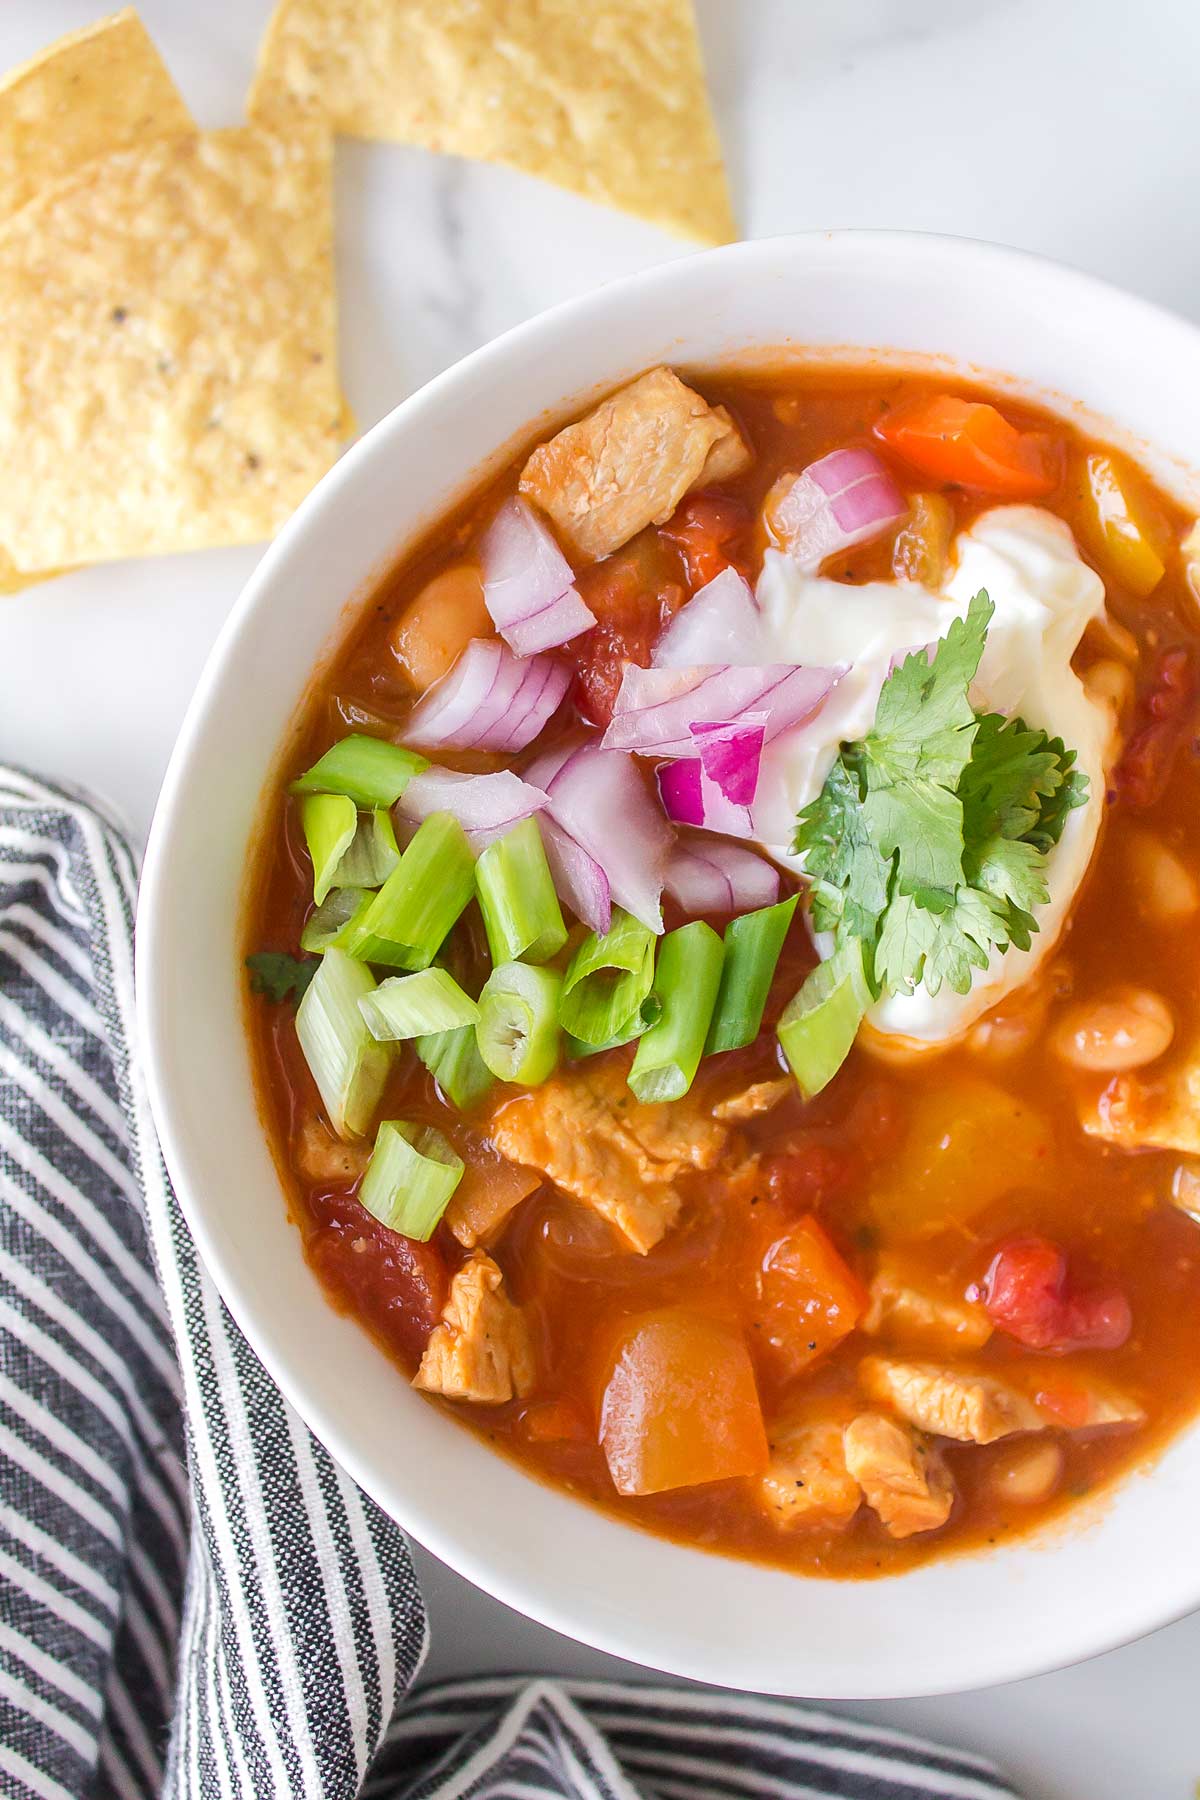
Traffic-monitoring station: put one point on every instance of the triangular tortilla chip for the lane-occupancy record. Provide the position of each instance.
(168, 367)
(91, 92)
(607, 99)
(98, 90)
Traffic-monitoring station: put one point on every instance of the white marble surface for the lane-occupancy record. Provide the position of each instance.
(1065, 126)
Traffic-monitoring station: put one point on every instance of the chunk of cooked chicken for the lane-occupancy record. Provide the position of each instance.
(807, 1481)
(320, 1157)
(903, 1478)
(482, 1349)
(588, 1133)
(629, 463)
(484, 1200)
(911, 1310)
(949, 1401)
(729, 457)
(754, 1100)
(1145, 1112)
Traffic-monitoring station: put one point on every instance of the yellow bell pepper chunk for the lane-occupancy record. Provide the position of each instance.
(922, 548)
(1117, 525)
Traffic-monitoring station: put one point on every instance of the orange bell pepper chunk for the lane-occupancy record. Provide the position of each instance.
(811, 1298)
(680, 1405)
(556, 1422)
(972, 445)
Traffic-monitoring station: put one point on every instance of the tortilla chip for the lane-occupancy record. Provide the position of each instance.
(168, 367)
(13, 582)
(607, 99)
(98, 90)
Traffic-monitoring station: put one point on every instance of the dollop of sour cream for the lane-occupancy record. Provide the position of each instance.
(1044, 597)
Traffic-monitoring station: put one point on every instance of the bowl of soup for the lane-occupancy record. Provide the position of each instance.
(666, 964)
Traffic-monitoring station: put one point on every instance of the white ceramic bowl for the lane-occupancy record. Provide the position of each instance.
(1042, 331)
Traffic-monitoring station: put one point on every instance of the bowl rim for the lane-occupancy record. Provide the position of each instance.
(1072, 1643)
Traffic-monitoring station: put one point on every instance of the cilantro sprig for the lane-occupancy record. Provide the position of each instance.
(278, 976)
(930, 838)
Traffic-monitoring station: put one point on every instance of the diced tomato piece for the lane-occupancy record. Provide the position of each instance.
(680, 1405)
(556, 1422)
(708, 529)
(970, 444)
(633, 595)
(1162, 718)
(1068, 1400)
(808, 1173)
(1027, 1292)
(810, 1298)
(398, 1285)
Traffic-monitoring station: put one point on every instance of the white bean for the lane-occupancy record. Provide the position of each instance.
(1111, 683)
(1166, 888)
(1121, 1030)
(1028, 1473)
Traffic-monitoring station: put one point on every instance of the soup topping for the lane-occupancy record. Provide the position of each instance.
(704, 1058)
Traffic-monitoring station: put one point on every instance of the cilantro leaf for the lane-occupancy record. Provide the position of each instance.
(920, 948)
(278, 976)
(921, 824)
(925, 723)
(848, 869)
(929, 839)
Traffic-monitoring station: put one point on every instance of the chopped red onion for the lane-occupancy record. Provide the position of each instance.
(722, 779)
(490, 700)
(656, 708)
(843, 499)
(599, 799)
(721, 623)
(730, 756)
(714, 877)
(681, 790)
(485, 806)
(528, 584)
(578, 877)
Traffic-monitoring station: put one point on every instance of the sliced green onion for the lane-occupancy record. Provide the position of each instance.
(820, 1023)
(369, 770)
(410, 1178)
(329, 822)
(334, 913)
(752, 946)
(607, 980)
(409, 1006)
(517, 899)
(373, 852)
(517, 1032)
(686, 982)
(408, 920)
(348, 1066)
(648, 1013)
(453, 1059)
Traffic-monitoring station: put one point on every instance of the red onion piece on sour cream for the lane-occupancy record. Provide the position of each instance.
(485, 806)
(843, 499)
(721, 623)
(716, 788)
(490, 700)
(655, 708)
(712, 877)
(528, 584)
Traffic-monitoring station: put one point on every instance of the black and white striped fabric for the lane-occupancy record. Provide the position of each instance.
(195, 1601)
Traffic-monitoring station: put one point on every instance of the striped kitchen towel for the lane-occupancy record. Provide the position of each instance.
(195, 1601)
